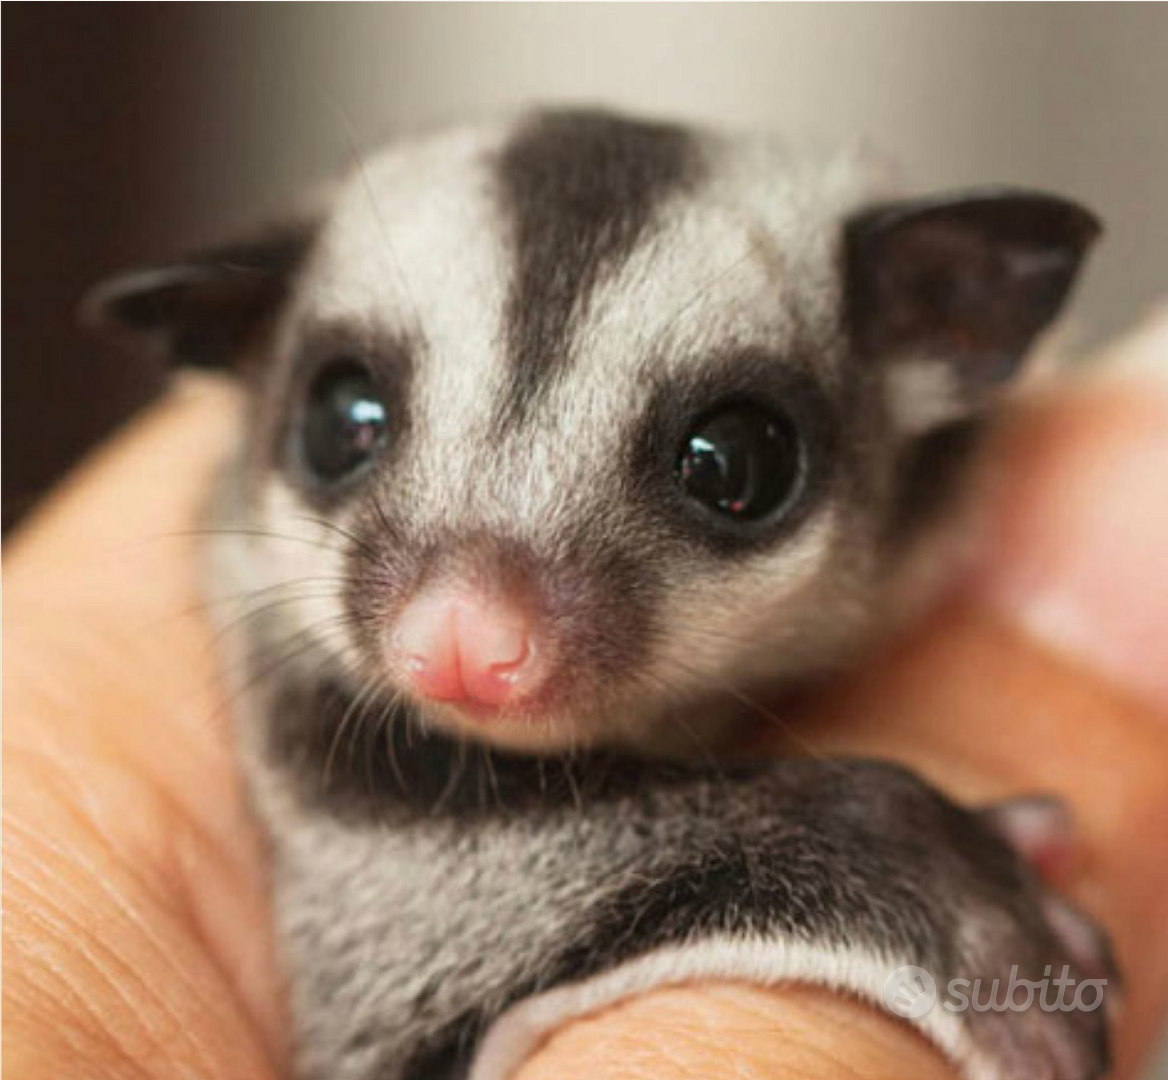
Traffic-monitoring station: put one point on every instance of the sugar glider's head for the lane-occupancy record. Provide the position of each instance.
(561, 425)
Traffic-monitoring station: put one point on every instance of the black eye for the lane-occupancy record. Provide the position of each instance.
(741, 462)
(344, 422)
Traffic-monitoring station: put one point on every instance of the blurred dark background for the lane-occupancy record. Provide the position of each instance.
(83, 190)
(134, 131)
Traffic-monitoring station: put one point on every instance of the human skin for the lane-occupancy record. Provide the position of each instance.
(135, 936)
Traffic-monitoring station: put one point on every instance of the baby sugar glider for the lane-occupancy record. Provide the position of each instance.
(568, 434)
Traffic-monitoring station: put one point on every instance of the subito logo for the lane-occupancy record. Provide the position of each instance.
(910, 991)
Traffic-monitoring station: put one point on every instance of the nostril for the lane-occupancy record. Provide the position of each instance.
(458, 645)
(510, 670)
(518, 674)
(496, 652)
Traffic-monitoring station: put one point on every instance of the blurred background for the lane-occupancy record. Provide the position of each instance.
(135, 131)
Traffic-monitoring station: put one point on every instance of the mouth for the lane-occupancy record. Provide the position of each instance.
(531, 726)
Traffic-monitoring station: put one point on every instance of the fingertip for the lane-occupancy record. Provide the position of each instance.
(1076, 549)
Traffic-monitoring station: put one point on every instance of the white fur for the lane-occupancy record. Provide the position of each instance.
(758, 961)
(414, 246)
(923, 394)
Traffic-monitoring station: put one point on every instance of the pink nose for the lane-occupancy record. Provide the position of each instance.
(459, 646)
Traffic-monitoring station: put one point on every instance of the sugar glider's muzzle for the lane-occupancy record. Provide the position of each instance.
(458, 644)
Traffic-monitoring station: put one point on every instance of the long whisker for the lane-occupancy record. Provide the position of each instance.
(756, 707)
(358, 704)
(264, 664)
(262, 534)
(265, 607)
(390, 715)
(358, 159)
(390, 699)
(455, 777)
(739, 641)
(488, 759)
(702, 746)
(362, 546)
(210, 606)
(707, 285)
(244, 595)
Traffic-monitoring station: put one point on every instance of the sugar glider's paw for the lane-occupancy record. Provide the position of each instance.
(859, 877)
(1041, 831)
(1066, 987)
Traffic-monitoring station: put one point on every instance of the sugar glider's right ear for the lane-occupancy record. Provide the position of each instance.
(200, 311)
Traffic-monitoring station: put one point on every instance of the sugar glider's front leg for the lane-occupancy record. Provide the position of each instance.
(442, 908)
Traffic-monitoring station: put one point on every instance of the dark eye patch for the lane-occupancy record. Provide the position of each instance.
(344, 408)
(736, 457)
(345, 421)
(742, 461)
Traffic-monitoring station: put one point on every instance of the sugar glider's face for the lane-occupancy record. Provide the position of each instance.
(564, 426)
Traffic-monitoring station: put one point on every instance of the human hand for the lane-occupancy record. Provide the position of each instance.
(136, 941)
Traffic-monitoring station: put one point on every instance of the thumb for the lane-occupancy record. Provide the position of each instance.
(1079, 538)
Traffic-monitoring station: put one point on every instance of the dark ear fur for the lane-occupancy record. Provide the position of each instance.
(965, 282)
(201, 310)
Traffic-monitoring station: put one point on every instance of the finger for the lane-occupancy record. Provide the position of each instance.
(1076, 545)
(135, 927)
(730, 1031)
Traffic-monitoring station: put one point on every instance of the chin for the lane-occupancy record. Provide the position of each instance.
(529, 731)
(707, 724)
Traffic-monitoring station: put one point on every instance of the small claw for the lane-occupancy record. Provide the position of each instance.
(1039, 827)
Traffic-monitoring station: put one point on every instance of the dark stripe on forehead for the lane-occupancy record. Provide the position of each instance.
(580, 189)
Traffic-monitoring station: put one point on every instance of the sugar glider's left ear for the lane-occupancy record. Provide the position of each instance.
(201, 310)
(949, 294)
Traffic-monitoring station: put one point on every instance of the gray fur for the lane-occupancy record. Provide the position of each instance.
(550, 303)
(466, 886)
(586, 183)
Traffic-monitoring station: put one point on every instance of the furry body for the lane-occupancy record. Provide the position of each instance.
(542, 312)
